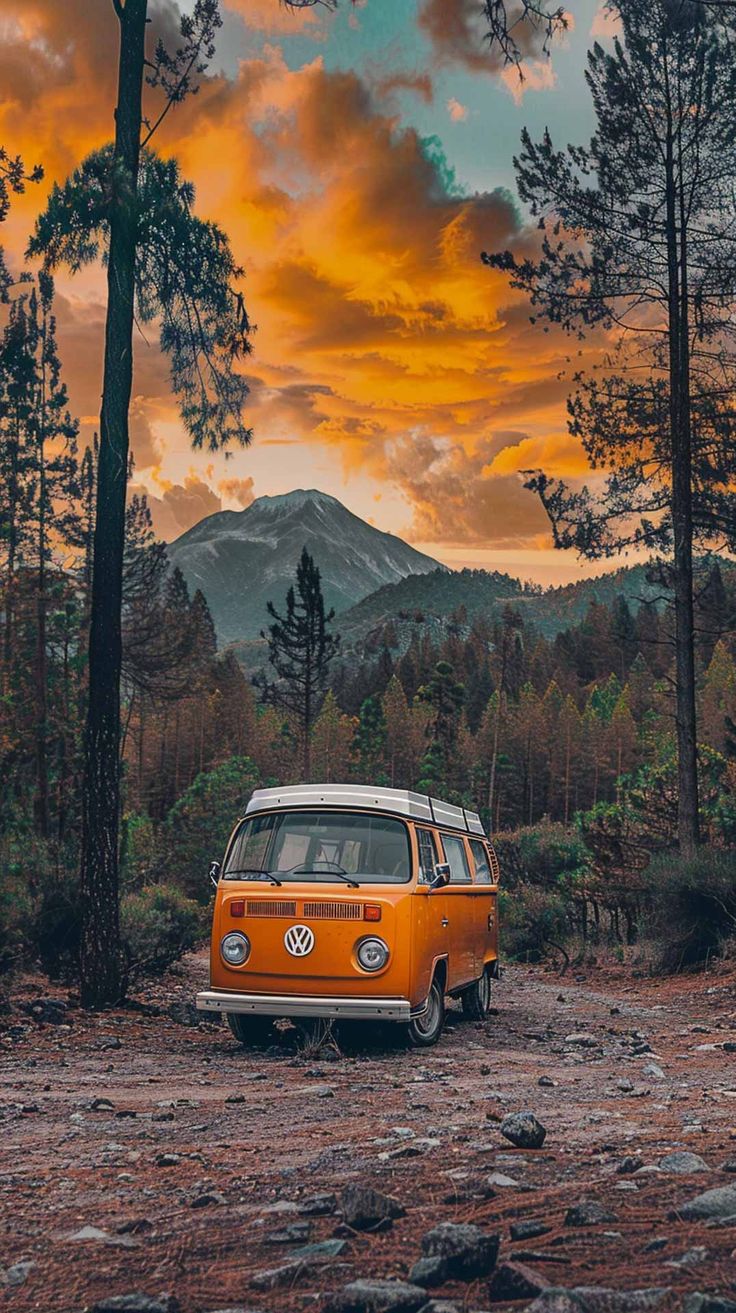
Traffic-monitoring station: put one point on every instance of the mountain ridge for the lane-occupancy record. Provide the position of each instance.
(242, 559)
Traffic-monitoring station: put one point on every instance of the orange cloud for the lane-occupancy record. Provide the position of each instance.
(458, 113)
(238, 490)
(380, 337)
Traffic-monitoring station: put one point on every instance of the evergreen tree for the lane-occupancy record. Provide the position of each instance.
(637, 238)
(180, 271)
(369, 744)
(301, 650)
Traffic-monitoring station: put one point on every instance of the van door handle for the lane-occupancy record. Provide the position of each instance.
(445, 921)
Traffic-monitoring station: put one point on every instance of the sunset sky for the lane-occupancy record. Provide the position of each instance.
(359, 161)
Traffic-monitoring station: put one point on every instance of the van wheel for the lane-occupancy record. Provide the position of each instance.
(477, 999)
(249, 1029)
(426, 1030)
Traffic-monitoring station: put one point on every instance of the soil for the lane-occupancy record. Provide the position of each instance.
(202, 1151)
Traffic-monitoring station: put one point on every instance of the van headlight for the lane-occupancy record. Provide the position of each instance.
(235, 949)
(372, 954)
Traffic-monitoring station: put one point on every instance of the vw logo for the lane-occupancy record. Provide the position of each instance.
(299, 940)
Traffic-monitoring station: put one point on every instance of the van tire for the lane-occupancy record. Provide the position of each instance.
(477, 998)
(249, 1029)
(425, 1030)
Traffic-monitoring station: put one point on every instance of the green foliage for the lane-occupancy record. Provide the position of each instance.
(185, 280)
(199, 825)
(691, 905)
(549, 855)
(139, 849)
(158, 926)
(533, 920)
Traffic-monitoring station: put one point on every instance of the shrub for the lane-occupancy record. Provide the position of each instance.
(533, 920)
(546, 854)
(158, 926)
(690, 906)
(198, 826)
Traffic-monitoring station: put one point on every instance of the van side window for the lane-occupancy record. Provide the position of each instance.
(455, 854)
(482, 866)
(427, 855)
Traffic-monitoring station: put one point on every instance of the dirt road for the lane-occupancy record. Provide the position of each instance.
(139, 1154)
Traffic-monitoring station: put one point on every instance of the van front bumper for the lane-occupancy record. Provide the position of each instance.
(305, 1005)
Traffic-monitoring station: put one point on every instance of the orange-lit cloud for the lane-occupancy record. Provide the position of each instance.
(458, 112)
(381, 340)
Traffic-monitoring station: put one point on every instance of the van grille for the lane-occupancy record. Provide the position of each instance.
(334, 911)
(271, 907)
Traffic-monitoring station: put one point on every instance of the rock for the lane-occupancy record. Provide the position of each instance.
(717, 1203)
(207, 1200)
(110, 1042)
(596, 1299)
(363, 1208)
(546, 1082)
(653, 1069)
(583, 1039)
(691, 1258)
(683, 1163)
(135, 1303)
(101, 1105)
(628, 1165)
(653, 1247)
(515, 1281)
(294, 1233)
(588, 1213)
(429, 1272)
(104, 1237)
(235, 1098)
(272, 1278)
(318, 1205)
(47, 1011)
(18, 1273)
(528, 1230)
(321, 1249)
(184, 1014)
(135, 1226)
(699, 1303)
(441, 1306)
(524, 1130)
(377, 1297)
(167, 1159)
(468, 1250)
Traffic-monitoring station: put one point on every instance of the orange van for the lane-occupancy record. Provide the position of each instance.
(338, 900)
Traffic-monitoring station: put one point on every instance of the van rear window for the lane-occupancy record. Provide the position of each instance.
(321, 846)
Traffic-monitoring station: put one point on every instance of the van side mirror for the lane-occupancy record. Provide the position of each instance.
(214, 873)
(441, 876)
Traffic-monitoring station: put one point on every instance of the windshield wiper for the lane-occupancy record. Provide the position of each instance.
(254, 870)
(336, 869)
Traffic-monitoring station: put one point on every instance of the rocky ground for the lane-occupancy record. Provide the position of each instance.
(145, 1156)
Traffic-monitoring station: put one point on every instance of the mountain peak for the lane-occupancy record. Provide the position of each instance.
(241, 560)
(295, 499)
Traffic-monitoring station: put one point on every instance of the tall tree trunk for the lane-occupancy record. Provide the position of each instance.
(682, 519)
(101, 978)
(41, 807)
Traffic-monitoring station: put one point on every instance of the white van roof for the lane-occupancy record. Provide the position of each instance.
(402, 802)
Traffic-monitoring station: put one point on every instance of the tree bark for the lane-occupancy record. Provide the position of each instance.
(682, 519)
(101, 976)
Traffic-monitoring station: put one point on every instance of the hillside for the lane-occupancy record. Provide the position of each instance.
(243, 559)
(429, 600)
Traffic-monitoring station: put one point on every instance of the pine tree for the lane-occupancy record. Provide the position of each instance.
(637, 238)
(301, 649)
(179, 271)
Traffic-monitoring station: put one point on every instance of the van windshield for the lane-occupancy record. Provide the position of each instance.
(321, 846)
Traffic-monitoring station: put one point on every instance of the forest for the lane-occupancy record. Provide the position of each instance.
(129, 742)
